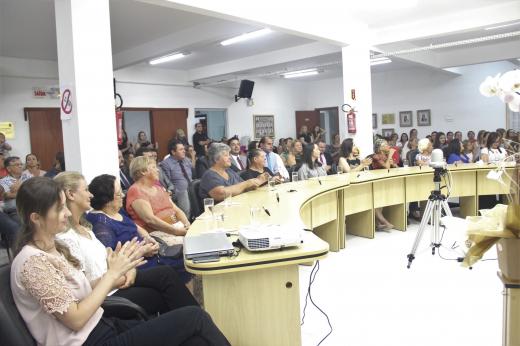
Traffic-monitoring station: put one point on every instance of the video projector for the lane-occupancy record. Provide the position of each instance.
(263, 238)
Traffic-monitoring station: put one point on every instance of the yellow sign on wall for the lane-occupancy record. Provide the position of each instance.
(7, 128)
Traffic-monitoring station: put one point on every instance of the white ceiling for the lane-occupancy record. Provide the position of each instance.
(27, 30)
(383, 13)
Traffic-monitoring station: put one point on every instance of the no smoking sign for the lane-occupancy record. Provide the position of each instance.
(66, 104)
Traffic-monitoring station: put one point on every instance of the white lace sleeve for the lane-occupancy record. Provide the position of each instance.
(75, 250)
(45, 281)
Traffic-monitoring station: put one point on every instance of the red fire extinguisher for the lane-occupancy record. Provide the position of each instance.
(119, 126)
(351, 117)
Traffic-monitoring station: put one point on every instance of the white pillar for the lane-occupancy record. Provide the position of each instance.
(85, 68)
(356, 76)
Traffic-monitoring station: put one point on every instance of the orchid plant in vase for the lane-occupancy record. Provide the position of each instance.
(505, 86)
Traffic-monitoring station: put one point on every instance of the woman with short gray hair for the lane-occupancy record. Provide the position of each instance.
(220, 180)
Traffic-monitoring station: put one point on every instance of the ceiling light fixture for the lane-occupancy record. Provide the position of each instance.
(300, 73)
(167, 58)
(451, 44)
(246, 37)
(501, 26)
(380, 61)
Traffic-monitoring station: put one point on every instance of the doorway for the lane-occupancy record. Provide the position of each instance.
(326, 118)
(329, 121)
(45, 134)
(214, 121)
(159, 124)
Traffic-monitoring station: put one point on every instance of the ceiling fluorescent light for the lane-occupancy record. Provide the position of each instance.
(380, 61)
(501, 26)
(167, 58)
(300, 73)
(245, 37)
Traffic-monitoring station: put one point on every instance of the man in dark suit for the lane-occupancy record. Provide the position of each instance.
(238, 161)
(325, 157)
(124, 176)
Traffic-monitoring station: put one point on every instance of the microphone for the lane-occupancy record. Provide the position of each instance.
(437, 159)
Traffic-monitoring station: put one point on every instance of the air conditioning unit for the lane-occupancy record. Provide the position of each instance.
(269, 238)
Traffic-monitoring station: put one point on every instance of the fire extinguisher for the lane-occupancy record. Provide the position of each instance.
(351, 117)
(119, 126)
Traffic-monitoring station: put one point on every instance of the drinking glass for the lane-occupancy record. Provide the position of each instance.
(272, 183)
(339, 170)
(218, 215)
(208, 204)
(227, 199)
(294, 176)
(254, 213)
(405, 163)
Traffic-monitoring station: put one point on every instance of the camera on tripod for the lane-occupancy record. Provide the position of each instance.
(437, 203)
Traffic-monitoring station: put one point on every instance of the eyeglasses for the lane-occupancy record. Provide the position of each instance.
(16, 165)
(119, 194)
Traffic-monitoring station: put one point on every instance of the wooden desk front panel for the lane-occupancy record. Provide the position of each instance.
(464, 183)
(487, 186)
(256, 307)
(357, 198)
(324, 208)
(418, 187)
(389, 192)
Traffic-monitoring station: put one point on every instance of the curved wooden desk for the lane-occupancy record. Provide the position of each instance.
(254, 297)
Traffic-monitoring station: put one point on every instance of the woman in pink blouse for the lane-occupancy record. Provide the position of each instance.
(55, 298)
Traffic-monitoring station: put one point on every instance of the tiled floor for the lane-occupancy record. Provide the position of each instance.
(372, 299)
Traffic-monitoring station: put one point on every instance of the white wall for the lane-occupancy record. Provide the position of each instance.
(155, 88)
(16, 93)
(456, 97)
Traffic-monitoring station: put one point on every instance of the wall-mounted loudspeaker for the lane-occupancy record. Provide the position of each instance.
(246, 89)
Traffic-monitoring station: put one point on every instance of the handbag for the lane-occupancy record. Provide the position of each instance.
(168, 251)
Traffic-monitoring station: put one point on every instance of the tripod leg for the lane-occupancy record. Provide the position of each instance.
(436, 215)
(422, 227)
(446, 208)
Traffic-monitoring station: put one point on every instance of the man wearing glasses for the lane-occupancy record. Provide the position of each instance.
(10, 184)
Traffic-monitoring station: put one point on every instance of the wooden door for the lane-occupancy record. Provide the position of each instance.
(309, 118)
(45, 134)
(164, 123)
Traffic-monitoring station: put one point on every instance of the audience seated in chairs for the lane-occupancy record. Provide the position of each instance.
(255, 167)
(238, 161)
(59, 165)
(382, 159)
(311, 167)
(9, 186)
(150, 206)
(124, 173)
(151, 286)
(178, 169)
(456, 153)
(424, 157)
(325, 158)
(32, 167)
(272, 160)
(56, 300)
(202, 164)
(220, 180)
(349, 160)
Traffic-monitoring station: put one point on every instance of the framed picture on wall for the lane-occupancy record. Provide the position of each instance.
(388, 119)
(387, 133)
(405, 119)
(374, 120)
(424, 117)
(263, 125)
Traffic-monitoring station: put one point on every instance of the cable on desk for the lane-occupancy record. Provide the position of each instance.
(312, 277)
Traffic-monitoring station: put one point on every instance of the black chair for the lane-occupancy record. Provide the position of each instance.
(13, 330)
(195, 201)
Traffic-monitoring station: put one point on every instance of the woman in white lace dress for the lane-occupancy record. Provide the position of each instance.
(56, 300)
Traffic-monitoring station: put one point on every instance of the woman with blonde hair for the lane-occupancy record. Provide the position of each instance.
(151, 207)
(295, 156)
(424, 156)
